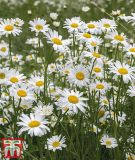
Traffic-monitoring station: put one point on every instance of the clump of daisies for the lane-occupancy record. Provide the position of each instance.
(70, 94)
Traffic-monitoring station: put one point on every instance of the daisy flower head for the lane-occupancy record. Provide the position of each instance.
(79, 76)
(73, 100)
(94, 55)
(107, 25)
(101, 87)
(45, 110)
(52, 68)
(73, 25)
(131, 91)
(93, 27)
(117, 38)
(38, 25)
(4, 49)
(94, 42)
(37, 82)
(18, 22)
(95, 129)
(8, 27)
(130, 50)
(97, 70)
(35, 124)
(15, 77)
(3, 75)
(22, 91)
(56, 143)
(56, 40)
(109, 142)
(26, 104)
(124, 70)
(84, 37)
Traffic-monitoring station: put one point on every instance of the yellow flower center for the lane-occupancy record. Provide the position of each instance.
(39, 27)
(87, 35)
(123, 71)
(105, 101)
(131, 157)
(108, 142)
(100, 86)
(94, 44)
(119, 38)
(57, 41)
(106, 25)
(34, 124)
(96, 69)
(73, 99)
(3, 49)
(132, 49)
(2, 75)
(14, 80)
(101, 112)
(9, 28)
(56, 144)
(97, 55)
(91, 25)
(80, 75)
(74, 25)
(22, 93)
(4, 120)
(39, 83)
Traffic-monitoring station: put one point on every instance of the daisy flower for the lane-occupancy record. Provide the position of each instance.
(95, 129)
(79, 76)
(73, 100)
(26, 104)
(97, 70)
(109, 142)
(18, 22)
(130, 49)
(93, 27)
(4, 49)
(37, 82)
(131, 91)
(52, 68)
(3, 75)
(94, 42)
(7, 27)
(107, 25)
(15, 77)
(117, 38)
(56, 143)
(56, 40)
(22, 91)
(38, 25)
(73, 25)
(124, 70)
(35, 124)
(45, 110)
(100, 86)
(84, 37)
(105, 102)
(94, 55)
